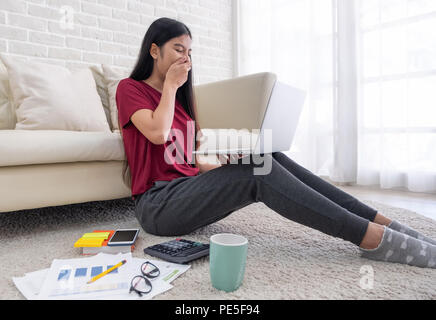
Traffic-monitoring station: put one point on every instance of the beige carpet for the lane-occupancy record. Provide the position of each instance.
(285, 260)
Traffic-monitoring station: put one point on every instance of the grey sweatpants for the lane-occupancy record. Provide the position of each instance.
(180, 206)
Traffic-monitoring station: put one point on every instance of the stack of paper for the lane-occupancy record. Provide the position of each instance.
(66, 278)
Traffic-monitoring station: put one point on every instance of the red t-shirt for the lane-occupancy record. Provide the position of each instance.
(149, 162)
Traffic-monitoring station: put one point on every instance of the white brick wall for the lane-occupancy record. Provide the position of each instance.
(77, 33)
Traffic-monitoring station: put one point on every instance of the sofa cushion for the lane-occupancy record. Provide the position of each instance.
(7, 114)
(22, 147)
(51, 97)
(112, 77)
(97, 72)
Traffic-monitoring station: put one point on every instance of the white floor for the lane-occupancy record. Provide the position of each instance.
(422, 203)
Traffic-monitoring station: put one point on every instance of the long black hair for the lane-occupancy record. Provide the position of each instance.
(160, 32)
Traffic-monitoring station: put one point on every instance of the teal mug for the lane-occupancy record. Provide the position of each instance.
(227, 257)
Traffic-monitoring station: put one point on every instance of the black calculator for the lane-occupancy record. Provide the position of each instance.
(178, 251)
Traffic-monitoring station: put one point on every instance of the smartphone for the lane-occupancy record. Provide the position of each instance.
(123, 237)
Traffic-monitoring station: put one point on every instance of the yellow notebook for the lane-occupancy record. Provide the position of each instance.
(96, 235)
(90, 242)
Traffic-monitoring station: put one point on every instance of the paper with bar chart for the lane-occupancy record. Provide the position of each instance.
(67, 279)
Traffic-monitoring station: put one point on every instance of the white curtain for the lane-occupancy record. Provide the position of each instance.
(369, 68)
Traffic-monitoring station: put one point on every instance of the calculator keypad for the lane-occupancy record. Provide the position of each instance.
(174, 247)
(179, 248)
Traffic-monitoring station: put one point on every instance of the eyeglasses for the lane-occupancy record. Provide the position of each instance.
(140, 284)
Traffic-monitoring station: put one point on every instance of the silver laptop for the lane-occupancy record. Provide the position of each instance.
(276, 133)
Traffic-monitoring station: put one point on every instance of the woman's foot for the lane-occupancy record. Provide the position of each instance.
(397, 247)
(397, 226)
(373, 236)
(382, 220)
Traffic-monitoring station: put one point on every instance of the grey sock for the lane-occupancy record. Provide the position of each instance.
(395, 225)
(401, 248)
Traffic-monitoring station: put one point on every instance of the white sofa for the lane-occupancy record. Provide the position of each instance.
(40, 168)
